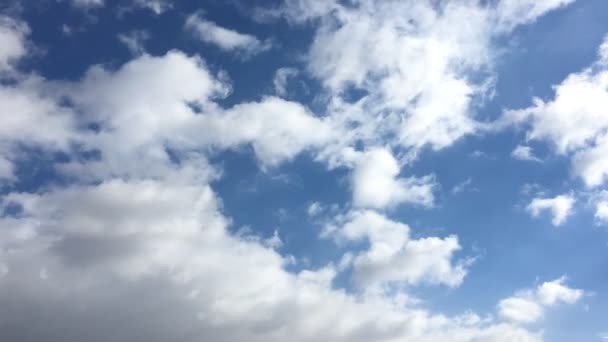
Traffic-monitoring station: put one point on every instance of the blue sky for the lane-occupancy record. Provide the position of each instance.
(305, 170)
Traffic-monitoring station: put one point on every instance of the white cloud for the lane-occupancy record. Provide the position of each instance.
(516, 12)
(314, 209)
(164, 245)
(225, 39)
(163, 242)
(553, 292)
(277, 129)
(281, 79)
(463, 186)
(579, 102)
(401, 75)
(528, 306)
(88, 3)
(521, 310)
(600, 201)
(559, 206)
(30, 120)
(603, 51)
(299, 11)
(148, 245)
(518, 309)
(144, 251)
(274, 241)
(6, 168)
(29, 117)
(154, 93)
(376, 183)
(479, 154)
(375, 41)
(12, 42)
(410, 61)
(601, 212)
(134, 41)
(156, 6)
(393, 257)
(575, 120)
(591, 164)
(522, 152)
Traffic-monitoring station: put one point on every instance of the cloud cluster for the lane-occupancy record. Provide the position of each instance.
(402, 76)
(600, 201)
(523, 152)
(559, 206)
(394, 258)
(134, 41)
(136, 246)
(412, 60)
(528, 306)
(156, 6)
(88, 3)
(281, 80)
(376, 183)
(30, 118)
(12, 44)
(516, 12)
(225, 39)
(152, 259)
(580, 101)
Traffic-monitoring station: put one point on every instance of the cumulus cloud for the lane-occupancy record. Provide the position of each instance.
(88, 3)
(393, 257)
(523, 152)
(601, 212)
(591, 164)
(314, 209)
(559, 206)
(134, 41)
(143, 254)
(374, 40)
(163, 111)
(580, 101)
(6, 169)
(137, 246)
(226, 39)
(518, 309)
(12, 42)
(511, 13)
(30, 118)
(156, 6)
(600, 201)
(376, 183)
(409, 60)
(152, 259)
(465, 185)
(277, 129)
(281, 78)
(603, 51)
(528, 306)
(400, 75)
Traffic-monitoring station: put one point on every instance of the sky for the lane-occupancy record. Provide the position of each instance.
(304, 170)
